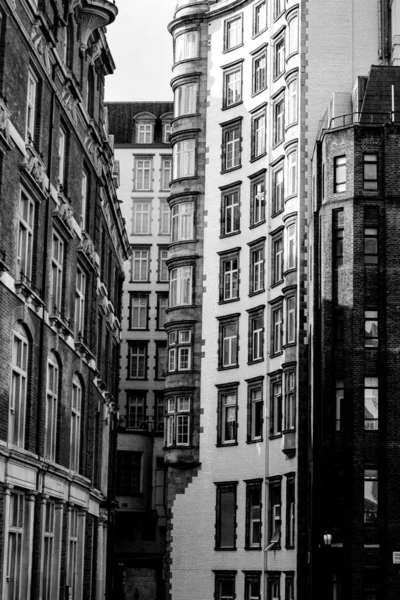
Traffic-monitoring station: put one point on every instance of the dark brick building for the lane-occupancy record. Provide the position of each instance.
(62, 247)
(354, 334)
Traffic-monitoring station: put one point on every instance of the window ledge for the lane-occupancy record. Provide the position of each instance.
(276, 283)
(254, 225)
(252, 549)
(277, 213)
(254, 158)
(226, 50)
(228, 368)
(251, 294)
(275, 436)
(226, 445)
(228, 301)
(226, 235)
(256, 361)
(227, 107)
(254, 441)
(223, 171)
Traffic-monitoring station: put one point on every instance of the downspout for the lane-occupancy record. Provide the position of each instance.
(43, 358)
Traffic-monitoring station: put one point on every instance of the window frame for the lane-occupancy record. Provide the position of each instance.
(179, 219)
(277, 256)
(235, 144)
(290, 517)
(339, 174)
(182, 99)
(143, 307)
(26, 236)
(230, 210)
(256, 337)
(278, 188)
(277, 328)
(256, 26)
(232, 346)
(257, 200)
(159, 373)
(227, 72)
(143, 173)
(80, 301)
(184, 161)
(292, 101)
(371, 340)
(76, 423)
(62, 156)
(291, 47)
(189, 50)
(177, 297)
(145, 131)
(255, 485)
(135, 409)
(226, 434)
(338, 237)
(229, 283)
(52, 402)
(259, 134)
(228, 487)
(255, 410)
(16, 434)
(57, 272)
(31, 106)
(227, 44)
(371, 423)
(290, 320)
(144, 263)
(289, 417)
(292, 171)
(162, 267)
(257, 282)
(161, 296)
(371, 475)
(165, 171)
(132, 467)
(275, 511)
(275, 407)
(279, 64)
(136, 373)
(180, 350)
(220, 578)
(259, 72)
(176, 413)
(278, 120)
(370, 183)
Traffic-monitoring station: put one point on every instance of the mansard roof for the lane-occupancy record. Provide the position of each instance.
(121, 119)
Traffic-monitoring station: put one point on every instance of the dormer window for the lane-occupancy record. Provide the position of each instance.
(145, 128)
(167, 127)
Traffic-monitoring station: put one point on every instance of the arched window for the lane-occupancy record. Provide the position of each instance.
(18, 390)
(52, 391)
(76, 407)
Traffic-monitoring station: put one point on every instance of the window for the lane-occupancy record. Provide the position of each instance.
(339, 404)
(180, 286)
(253, 514)
(162, 264)
(290, 512)
(19, 389)
(182, 226)
(277, 259)
(256, 334)
(233, 33)
(292, 104)
(144, 133)
(279, 58)
(228, 342)
(186, 99)
(50, 440)
(162, 305)
(186, 46)
(274, 512)
(260, 72)
(277, 190)
(80, 294)
(289, 587)
(180, 350)
(136, 410)
(231, 152)
(184, 159)
(225, 523)
(258, 136)
(339, 174)
(290, 320)
(255, 408)
(143, 174)
(129, 473)
(138, 311)
(165, 218)
(275, 425)
(292, 172)
(57, 270)
(49, 552)
(257, 254)
(279, 120)
(62, 142)
(166, 172)
(161, 360)
(370, 171)
(370, 496)
(229, 277)
(76, 536)
(16, 571)
(260, 17)
(290, 402)
(233, 86)
(293, 37)
(167, 128)
(230, 208)
(25, 236)
(140, 264)
(371, 403)
(137, 360)
(31, 106)
(338, 235)
(177, 421)
(257, 201)
(370, 245)
(279, 7)
(225, 585)
(159, 411)
(84, 199)
(277, 329)
(291, 246)
(76, 407)
(371, 328)
(227, 414)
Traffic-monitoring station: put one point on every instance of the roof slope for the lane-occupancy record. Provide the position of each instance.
(121, 119)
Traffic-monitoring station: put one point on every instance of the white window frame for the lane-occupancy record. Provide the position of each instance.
(27, 211)
(278, 191)
(186, 45)
(165, 219)
(186, 99)
(257, 338)
(145, 133)
(291, 246)
(233, 80)
(76, 408)
(293, 35)
(260, 17)
(277, 258)
(228, 407)
(256, 396)
(177, 429)
(233, 32)
(277, 329)
(80, 294)
(18, 390)
(136, 410)
(230, 278)
(279, 120)
(141, 217)
(166, 172)
(258, 202)
(257, 269)
(75, 552)
(181, 286)
(259, 135)
(52, 399)
(163, 274)
(232, 150)
(167, 129)
(31, 105)
(143, 174)
(137, 358)
(292, 172)
(229, 345)
(62, 147)
(292, 101)
(182, 222)
(184, 155)
(279, 57)
(139, 312)
(291, 320)
(140, 264)
(260, 72)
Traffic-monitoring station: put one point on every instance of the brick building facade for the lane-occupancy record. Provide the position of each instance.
(62, 247)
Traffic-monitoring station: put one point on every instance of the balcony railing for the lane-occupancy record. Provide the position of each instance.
(364, 118)
(148, 424)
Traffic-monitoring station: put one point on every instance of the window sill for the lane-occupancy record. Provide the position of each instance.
(226, 50)
(185, 60)
(290, 125)
(228, 106)
(252, 548)
(226, 444)
(278, 76)
(275, 436)
(256, 93)
(139, 281)
(255, 158)
(290, 196)
(254, 441)
(223, 171)
(251, 294)
(150, 191)
(229, 301)
(277, 143)
(289, 345)
(254, 225)
(181, 372)
(255, 35)
(179, 306)
(289, 56)
(162, 281)
(183, 178)
(275, 354)
(289, 270)
(276, 283)
(277, 213)
(228, 368)
(226, 235)
(256, 361)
